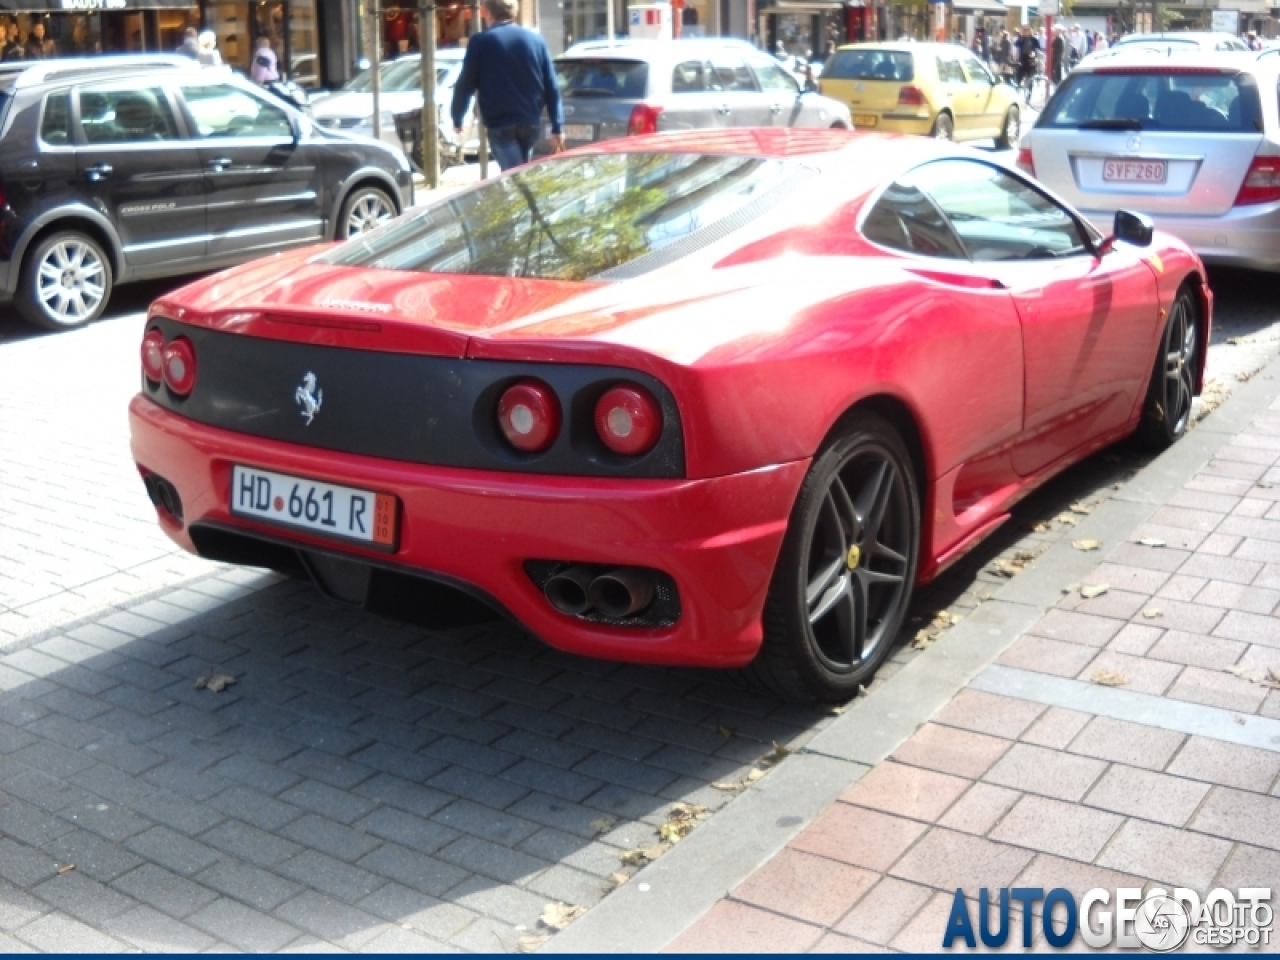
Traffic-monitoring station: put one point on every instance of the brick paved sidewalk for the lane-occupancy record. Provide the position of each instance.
(1037, 774)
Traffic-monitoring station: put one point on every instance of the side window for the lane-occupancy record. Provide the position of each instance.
(949, 70)
(905, 219)
(996, 215)
(224, 110)
(132, 115)
(773, 77)
(730, 73)
(55, 126)
(975, 70)
(689, 77)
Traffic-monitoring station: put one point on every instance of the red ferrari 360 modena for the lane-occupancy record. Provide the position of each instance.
(715, 399)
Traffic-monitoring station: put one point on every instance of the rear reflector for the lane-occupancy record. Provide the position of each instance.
(644, 119)
(1025, 163)
(910, 97)
(1261, 183)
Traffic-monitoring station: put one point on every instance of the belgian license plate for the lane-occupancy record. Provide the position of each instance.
(579, 131)
(1135, 171)
(324, 508)
(865, 119)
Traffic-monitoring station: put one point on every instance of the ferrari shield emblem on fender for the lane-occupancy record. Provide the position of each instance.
(308, 397)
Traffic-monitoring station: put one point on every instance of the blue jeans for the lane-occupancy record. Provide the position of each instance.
(512, 146)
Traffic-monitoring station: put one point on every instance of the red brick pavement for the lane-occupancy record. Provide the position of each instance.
(997, 791)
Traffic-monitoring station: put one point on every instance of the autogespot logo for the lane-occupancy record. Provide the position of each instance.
(1160, 921)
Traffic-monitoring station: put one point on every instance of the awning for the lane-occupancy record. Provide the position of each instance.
(980, 6)
(90, 6)
(801, 6)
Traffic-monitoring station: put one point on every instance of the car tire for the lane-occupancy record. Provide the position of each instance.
(364, 209)
(843, 579)
(1010, 130)
(65, 281)
(1166, 412)
(944, 127)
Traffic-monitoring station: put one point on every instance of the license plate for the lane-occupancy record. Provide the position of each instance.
(1135, 171)
(324, 508)
(579, 131)
(865, 119)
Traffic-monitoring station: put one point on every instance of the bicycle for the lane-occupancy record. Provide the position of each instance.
(1035, 86)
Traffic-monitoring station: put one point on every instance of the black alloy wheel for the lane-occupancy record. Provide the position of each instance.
(1166, 414)
(844, 575)
(1011, 129)
(944, 128)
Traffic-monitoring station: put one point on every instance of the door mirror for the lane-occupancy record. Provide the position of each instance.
(1133, 228)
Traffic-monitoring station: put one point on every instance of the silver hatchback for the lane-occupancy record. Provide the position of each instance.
(1192, 140)
(638, 86)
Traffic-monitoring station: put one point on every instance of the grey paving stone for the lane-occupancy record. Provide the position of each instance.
(53, 759)
(255, 808)
(321, 798)
(172, 850)
(253, 745)
(72, 734)
(243, 927)
(402, 906)
(492, 860)
(563, 883)
(556, 846)
(186, 780)
(407, 829)
(326, 737)
(499, 901)
(472, 728)
(625, 745)
(480, 759)
(553, 780)
(424, 874)
(249, 843)
(28, 823)
(399, 940)
(330, 837)
(258, 888)
(120, 753)
(487, 935)
(397, 733)
(404, 794)
(50, 794)
(177, 812)
(23, 866)
(693, 763)
(480, 821)
(339, 712)
(399, 762)
(332, 920)
(110, 820)
(335, 771)
(559, 813)
(167, 892)
(18, 908)
(78, 706)
(93, 856)
(154, 932)
(330, 875)
(83, 897)
(491, 791)
(626, 803)
(13, 738)
(541, 722)
(557, 753)
(56, 933)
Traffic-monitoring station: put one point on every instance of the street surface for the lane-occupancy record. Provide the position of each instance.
(362, 784)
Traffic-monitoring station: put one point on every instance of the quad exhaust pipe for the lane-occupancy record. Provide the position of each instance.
(614, 595)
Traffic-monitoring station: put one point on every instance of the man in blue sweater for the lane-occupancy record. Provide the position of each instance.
(509, 69)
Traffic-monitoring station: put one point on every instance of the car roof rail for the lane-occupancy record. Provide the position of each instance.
(47, 70)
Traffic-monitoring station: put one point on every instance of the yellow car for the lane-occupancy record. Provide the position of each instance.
(933, 89)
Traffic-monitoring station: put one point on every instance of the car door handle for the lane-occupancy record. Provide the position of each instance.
(775, 108)
(723, 109)
(218, 164)
(98, 172)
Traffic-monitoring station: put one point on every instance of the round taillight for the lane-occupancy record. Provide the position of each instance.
(153, 355)
(529, 415)
(180, 366)
(628, 420)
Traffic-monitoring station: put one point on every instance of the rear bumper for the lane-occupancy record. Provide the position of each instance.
(921, 126)
(1247, 236)
(718, 538)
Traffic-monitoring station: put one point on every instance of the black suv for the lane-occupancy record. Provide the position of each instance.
(119, 172)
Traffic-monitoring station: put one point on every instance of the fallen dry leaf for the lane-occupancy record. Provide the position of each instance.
(1264, 484)
(726, 732)
(603, 825)
(1236, 341)
(66, 868)
(754, 774)
(1151, 542)
(1109, 678)
(923, 639)
(619, 878)
(202, 682)
(1152, 612)
(727, 786)
(681, 820)
(1245, 376)
(1087, 544)
(1071, 588)
(1066, 518)
(530, 942)
(1091, 590)
(1239, 719)
(862, 691)
(642, 855)
(220, 682)
(774, 756)
(558, 915)
(1081, 508)
(1270, 678)
(1040, 527)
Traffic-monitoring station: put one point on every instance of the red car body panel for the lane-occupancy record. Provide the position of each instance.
(1004, 372)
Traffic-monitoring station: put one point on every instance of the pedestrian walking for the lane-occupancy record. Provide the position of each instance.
(189, 46)
(1028, 47)
(207, 49)
(508, 70)
(40, 47)
(1079, 45)
(265, 68)
(1002, 55)
(13, 48)
(1058, 54)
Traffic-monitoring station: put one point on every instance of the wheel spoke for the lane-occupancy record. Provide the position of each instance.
(820, 585)
(853, 634)
(49, 271)
(846, 513)
(828, 600)
(869, 578)
(873, 499)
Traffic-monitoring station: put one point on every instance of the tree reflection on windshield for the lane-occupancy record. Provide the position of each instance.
(569, 218)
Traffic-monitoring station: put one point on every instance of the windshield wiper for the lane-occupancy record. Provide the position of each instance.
(1116, 123)
(590, 91)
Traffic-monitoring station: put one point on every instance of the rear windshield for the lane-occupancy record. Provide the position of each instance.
(603, 78)
(399, 76)
(869, 64)
(1152, 100)
(576, 218)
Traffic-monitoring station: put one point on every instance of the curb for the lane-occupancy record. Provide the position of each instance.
(667, 897)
